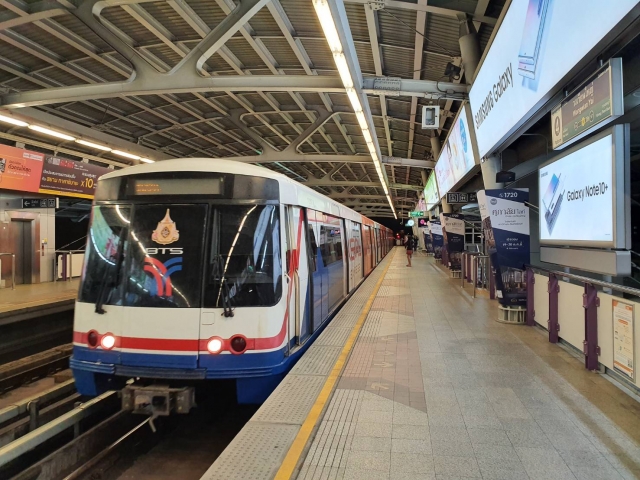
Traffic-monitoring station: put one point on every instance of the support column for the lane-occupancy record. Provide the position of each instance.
(435, 147)
(489, 167)
(469, 47)
(423, 172)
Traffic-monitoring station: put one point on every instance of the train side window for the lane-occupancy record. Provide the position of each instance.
(312, 249)
(330, 245)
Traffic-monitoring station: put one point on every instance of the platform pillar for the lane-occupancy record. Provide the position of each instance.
(591, 302)
(552, 324)
(531, 313)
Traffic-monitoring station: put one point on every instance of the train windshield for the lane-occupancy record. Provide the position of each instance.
(183, 256)
(245, 266)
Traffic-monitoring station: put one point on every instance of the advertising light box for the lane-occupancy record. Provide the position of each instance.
(459, 154)
(431, 197)
(538, 43)
(582, 194)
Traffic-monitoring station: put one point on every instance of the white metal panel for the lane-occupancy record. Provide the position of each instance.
(541, 300)
(571, 313)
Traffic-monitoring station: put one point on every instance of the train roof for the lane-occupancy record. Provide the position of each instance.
(241, 168)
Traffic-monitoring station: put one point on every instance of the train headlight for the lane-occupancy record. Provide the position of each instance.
(214, 345)
(108, 341)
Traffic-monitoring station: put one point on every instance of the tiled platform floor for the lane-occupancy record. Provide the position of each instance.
(435, 388)
(37, 294)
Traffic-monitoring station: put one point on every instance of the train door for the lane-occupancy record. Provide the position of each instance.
(297, 285)
(163, 273)
(366, 241)
(319, 276)
(354, 239)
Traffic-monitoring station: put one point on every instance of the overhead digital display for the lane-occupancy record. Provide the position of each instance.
(580, 193)
(537, 44)
(175, 186)
(431, 197)
(458, 155)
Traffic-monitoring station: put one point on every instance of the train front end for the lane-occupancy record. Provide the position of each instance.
(182, 283)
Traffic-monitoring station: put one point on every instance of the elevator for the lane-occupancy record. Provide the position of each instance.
(22, 233)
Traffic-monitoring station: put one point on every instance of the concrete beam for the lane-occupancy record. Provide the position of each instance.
(408, 162)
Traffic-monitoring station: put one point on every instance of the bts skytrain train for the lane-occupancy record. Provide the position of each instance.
(199, 269)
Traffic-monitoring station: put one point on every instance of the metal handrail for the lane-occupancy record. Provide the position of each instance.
(592, 281)
(70, 263)
(13, 268)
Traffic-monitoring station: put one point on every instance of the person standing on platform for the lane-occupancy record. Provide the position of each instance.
(410, 245)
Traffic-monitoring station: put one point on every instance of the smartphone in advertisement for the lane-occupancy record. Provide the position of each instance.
(532, 37)
(552, 201)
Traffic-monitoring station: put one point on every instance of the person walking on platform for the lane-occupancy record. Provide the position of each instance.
(410, 246)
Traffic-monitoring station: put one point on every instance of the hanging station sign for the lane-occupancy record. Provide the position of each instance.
(538, 46)
(593, 104)
(460, 197)
(416, 214)
(40, 203)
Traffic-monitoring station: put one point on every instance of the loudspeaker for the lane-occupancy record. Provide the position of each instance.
(505, 177)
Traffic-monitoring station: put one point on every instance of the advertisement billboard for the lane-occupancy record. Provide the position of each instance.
(582, 194)
(20, 169)
(537, 44)
(431, 197)
(66, 177)
(458, 155)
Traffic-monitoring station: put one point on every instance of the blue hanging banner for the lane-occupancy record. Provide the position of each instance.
(505, 221)
(435, 229)
(453, 231)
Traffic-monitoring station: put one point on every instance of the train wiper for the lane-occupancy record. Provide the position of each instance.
(217, 274)
(109, 272)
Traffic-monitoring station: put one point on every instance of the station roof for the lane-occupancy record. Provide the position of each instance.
(59, 60)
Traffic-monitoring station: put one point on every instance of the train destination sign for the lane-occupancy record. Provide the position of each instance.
(460, 197)
(595, 102)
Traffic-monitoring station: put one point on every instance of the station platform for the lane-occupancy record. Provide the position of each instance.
(29, 301)
(414, 379)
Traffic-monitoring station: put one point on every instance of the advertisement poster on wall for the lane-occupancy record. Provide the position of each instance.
(20, 169)
(458, 155)
(623, 339)
(453, 232)
(505, 221)
(431, 197)
(579, 196)
(532, 52)
(437, 240)
(73, 179)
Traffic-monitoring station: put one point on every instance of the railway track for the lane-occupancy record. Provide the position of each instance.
(61, 438)
(19, 372)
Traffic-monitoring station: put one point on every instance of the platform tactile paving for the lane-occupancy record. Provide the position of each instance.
(255, 453)
(333, 336)
(319, 360)
(291, 401)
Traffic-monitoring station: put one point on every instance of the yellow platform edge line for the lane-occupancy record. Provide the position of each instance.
(300, 442)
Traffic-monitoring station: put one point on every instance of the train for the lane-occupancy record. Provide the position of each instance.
(199, 269)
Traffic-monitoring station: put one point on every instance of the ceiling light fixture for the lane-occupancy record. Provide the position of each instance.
(13, 121)
(93, 145)
(323, 11)
(146, 160)
(126, 154)
(52, 133)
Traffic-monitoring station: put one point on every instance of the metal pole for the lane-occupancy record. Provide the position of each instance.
(70, 265)
(13, 272)
(474, 266)
(554, 327)
(463, 269)
(591, 302)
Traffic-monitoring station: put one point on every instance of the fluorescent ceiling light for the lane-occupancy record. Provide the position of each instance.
(354, 99)
(93, 145)
(13, 121)
(126, 154)
(367, 135)
(146, 160)
(53, 133)
(328, 25)
(343, 69)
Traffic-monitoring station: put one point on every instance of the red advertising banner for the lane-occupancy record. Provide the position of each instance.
(66, 177)
(36, 172)
(20, 169)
